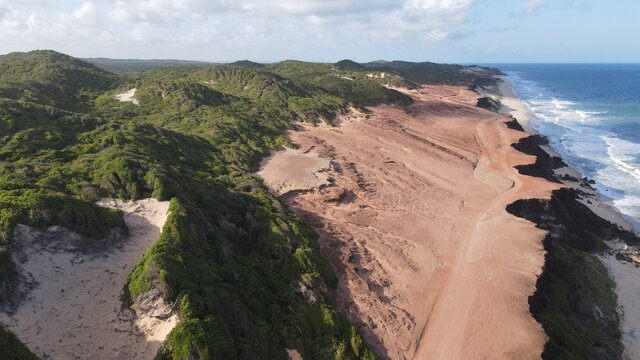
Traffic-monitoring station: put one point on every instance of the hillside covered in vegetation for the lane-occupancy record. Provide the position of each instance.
(245, 274)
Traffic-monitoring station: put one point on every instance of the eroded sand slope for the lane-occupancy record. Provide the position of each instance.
(413, 219)
(74, 310)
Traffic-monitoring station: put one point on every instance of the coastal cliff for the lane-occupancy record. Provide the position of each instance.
(575, 298)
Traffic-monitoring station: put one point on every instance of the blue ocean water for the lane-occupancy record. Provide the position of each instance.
(591, 114)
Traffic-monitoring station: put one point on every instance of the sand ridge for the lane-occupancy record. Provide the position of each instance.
(431, 266)
(74, 310)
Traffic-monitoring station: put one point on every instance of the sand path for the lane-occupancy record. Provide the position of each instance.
(413, 219)
(74, 311)
(483, 310)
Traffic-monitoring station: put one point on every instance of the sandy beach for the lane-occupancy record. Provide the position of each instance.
(513, 106)
(74, 310)
(413, 220)
(626, 275)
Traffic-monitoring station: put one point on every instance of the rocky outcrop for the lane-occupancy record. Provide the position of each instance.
(488, 103)
(514, 125)
(545, 164)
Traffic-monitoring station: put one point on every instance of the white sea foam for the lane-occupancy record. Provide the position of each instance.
(582, 114)
(621, 153)
(614, 163)
(561, 104)
(562, 112)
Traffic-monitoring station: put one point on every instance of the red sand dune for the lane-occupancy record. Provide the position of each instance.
(411, 213)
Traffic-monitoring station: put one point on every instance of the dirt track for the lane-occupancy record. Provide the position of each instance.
(431, 265)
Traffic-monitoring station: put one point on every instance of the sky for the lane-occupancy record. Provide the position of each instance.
(454, 31)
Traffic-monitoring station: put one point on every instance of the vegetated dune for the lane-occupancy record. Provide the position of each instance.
(74, 308)
(413, 220)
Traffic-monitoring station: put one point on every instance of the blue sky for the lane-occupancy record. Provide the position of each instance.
(462, 31)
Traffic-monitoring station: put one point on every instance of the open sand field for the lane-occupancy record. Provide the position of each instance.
(413, 220)
(74, 310)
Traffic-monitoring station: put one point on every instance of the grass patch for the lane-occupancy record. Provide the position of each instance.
(11, 348)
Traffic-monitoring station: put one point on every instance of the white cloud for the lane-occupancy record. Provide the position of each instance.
(531, 6)
(36, 2)
(155, 27)
(8, 18)
(435, 12)
(332, 7)
(437, 20)
(437, 35)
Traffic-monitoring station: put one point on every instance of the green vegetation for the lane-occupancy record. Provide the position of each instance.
(432, 73)
(245, 274)
(355, 86)
(575, 299)
(49, 78)
(247, 64)
(579, 314)
(11, 348)
(136, 65)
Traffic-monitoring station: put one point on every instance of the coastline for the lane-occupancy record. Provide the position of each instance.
(514, 106)
(596, 201)
(620, 260)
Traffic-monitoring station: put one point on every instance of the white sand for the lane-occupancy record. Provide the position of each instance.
(514, 106)
(129, 96)
(627, 278)
(414, 93)
(75, 311)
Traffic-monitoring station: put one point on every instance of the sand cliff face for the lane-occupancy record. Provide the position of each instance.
(412, 216)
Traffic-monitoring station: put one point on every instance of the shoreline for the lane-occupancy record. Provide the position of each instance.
(621, 261)
(597, 202)
(511, 104)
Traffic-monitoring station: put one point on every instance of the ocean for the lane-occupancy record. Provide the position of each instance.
(591, 115)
